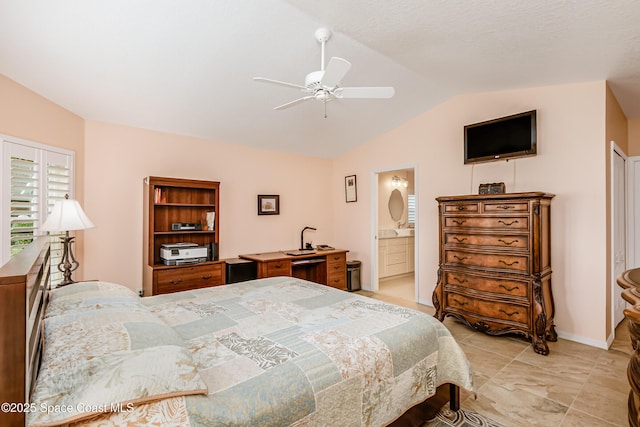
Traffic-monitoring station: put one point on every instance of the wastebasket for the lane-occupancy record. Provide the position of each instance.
(353, 275)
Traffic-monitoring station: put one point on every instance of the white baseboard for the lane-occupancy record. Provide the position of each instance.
(582, 340)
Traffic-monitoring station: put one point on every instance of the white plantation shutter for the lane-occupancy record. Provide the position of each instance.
(34, 176)
(411, 208)
(58, 184)
(24, 201)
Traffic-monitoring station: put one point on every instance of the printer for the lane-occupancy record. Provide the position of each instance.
(183, 253)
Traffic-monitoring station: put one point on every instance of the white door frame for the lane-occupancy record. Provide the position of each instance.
(374, 227)
(633, 212)
(617, 151)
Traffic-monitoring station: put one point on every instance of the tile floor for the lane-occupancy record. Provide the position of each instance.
(575, 385)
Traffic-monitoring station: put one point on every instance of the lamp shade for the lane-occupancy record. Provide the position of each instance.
(67, 215)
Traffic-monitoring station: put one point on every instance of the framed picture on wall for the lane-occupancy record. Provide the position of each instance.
(350, 188)
(268, 204)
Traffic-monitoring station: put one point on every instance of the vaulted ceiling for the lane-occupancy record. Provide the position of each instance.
(186, 67)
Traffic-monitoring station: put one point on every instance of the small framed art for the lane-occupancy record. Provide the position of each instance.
(350, 188)
(268, 204)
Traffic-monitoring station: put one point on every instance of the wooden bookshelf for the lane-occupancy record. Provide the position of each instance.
(173, 200)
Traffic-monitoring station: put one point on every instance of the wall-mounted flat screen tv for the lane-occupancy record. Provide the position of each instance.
(501, 139)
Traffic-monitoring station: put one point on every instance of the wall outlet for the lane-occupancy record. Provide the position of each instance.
(140, 293)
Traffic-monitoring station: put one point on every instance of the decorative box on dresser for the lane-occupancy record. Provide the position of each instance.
(495, 264)
(170, 201)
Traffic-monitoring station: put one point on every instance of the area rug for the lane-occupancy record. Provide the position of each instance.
(461, 418)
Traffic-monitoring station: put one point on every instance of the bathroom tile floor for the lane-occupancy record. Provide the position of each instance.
(575, 385)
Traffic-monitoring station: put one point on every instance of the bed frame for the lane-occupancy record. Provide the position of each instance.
(630, 282)
(24, 281)
(24, 284)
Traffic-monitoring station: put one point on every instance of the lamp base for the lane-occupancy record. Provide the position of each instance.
(68, 264)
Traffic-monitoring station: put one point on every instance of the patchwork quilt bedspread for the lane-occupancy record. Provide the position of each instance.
(288, 352)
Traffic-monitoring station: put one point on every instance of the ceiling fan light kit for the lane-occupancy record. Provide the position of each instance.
(324, 85)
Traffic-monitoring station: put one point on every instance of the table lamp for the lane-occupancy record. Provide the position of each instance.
(67, 215)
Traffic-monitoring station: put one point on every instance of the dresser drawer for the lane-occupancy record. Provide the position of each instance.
(509, 262)
(491, 207)
(493, 309)
(186, 278)
(340, 258)
(510, 287)
(278, 268)
(493, 223)
(337, 279)
(488, 240)
(470, 207)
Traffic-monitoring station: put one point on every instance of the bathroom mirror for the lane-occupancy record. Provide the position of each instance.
(396, 205)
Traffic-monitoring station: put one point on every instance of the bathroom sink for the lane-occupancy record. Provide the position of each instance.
(403, 232)
(387, 233)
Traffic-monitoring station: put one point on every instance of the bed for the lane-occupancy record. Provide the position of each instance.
(269, 352)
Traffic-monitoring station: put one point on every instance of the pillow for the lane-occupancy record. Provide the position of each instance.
(101, 356)
(87, 296)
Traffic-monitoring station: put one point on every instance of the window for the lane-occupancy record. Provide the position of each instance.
(34, 177)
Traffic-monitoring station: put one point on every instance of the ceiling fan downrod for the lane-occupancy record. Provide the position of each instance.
(322, 34)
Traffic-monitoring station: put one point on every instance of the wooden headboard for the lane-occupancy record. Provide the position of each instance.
(24, 284)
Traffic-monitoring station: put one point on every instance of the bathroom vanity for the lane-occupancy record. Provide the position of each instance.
(395, 253)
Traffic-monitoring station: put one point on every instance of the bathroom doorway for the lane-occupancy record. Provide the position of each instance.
(395, 233)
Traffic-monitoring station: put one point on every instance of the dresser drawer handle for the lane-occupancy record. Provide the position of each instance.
(509, 314)
(337, 267)
(459, 221)
(505, 207)
(460, 303)
(458, 239)
(461, 208)
(176, 282)
(508, 243)
(509, 289)
(460, 280)
(460, 258)
(508, 264)
(278, 266)
(511, 223)
(207, 277)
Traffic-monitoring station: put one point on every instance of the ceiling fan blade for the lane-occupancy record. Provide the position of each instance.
(278, 82)
(335, 71)
(292, 103)
(365, 92)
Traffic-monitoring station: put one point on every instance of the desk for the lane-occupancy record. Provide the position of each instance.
(630, 282)
(325, 267)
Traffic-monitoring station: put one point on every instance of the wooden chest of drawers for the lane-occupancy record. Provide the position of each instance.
(495, 264)
(183, 278)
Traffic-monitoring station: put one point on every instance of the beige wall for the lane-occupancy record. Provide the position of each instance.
(570, 163)
(634, 138)
(26, 115)
(113, 160)
(118, 158)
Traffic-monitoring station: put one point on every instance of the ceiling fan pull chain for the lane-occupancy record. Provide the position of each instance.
(325, 108)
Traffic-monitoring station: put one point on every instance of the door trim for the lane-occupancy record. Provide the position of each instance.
(617, 151)
(373, 268)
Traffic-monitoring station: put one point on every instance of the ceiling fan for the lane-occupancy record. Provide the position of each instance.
(324, 85)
